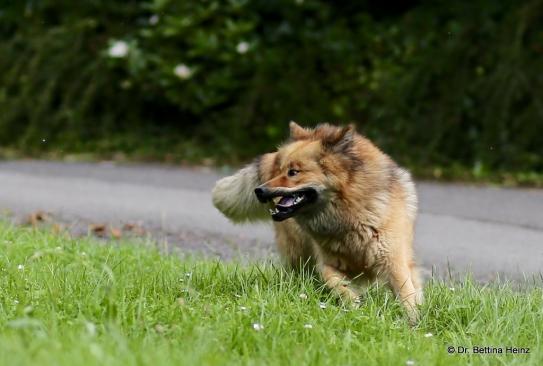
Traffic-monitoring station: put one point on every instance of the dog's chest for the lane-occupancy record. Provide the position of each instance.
(358, 250)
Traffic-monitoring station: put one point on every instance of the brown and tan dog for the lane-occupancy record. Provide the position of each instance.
(337, 201)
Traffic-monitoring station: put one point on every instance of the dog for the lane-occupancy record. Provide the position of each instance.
(338, 202)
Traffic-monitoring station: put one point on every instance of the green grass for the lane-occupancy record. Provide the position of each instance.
(70, 301)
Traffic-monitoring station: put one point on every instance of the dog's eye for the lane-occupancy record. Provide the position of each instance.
(292, 172)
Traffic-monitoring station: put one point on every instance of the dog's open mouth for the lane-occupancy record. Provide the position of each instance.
(290, 203)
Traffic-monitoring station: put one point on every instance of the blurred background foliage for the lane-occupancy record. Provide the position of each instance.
(447, 88)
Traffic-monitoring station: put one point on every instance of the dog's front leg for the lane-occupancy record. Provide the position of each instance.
(402, 284)
(338, 282)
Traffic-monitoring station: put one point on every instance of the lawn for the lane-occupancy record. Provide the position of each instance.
(66, 301)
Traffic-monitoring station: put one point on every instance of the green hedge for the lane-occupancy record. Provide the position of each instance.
(434, 83)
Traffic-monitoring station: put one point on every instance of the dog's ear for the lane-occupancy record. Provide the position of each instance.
(297, 132)
(341, 139)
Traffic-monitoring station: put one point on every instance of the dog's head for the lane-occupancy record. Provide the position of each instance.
(310, 171)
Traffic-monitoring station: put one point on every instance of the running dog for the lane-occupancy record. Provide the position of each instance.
(336, 201)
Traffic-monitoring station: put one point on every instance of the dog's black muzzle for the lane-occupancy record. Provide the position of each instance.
(263, 194)
(290, 202)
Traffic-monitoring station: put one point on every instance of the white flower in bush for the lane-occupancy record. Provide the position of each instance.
(182, 71)
(242, 47)
(118, 49)
(153, 19)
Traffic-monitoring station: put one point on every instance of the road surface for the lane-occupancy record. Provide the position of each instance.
(486, 231)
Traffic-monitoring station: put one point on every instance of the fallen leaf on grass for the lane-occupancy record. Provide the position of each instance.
(134, 228)
(98, 230)
(38, 217)
(116, 233)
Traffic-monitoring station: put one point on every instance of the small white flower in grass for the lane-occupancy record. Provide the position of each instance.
(182, 71)
(322, 305)
(118, 49)
(303, 296)
(20, 267)
(83, 254)
(308, 326)
(28, 310)
(91, 328)
(43, 140)
(409, 362)
(237, 295)
(160, 328)
(153, 19)
(428, 335)
(242, 47)
(242, 308)
(188, 274)
(258, 327)
(452, 288)
(15, 302)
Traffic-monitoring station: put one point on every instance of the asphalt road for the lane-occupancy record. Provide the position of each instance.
(486, 231)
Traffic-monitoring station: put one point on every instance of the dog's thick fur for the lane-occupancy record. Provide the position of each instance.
(360, 226)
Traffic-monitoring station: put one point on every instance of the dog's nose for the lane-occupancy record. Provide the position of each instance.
(261, 194)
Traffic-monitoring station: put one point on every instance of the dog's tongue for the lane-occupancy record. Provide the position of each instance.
(286, 201)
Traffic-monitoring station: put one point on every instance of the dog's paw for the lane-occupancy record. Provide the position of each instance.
(413, 317)
(356, 303)
(348, 296)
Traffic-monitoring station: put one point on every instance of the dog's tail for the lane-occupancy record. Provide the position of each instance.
(234, 195)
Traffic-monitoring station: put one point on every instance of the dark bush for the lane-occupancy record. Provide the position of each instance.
(434, 83)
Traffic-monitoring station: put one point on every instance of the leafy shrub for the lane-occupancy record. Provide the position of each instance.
(446, 84)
